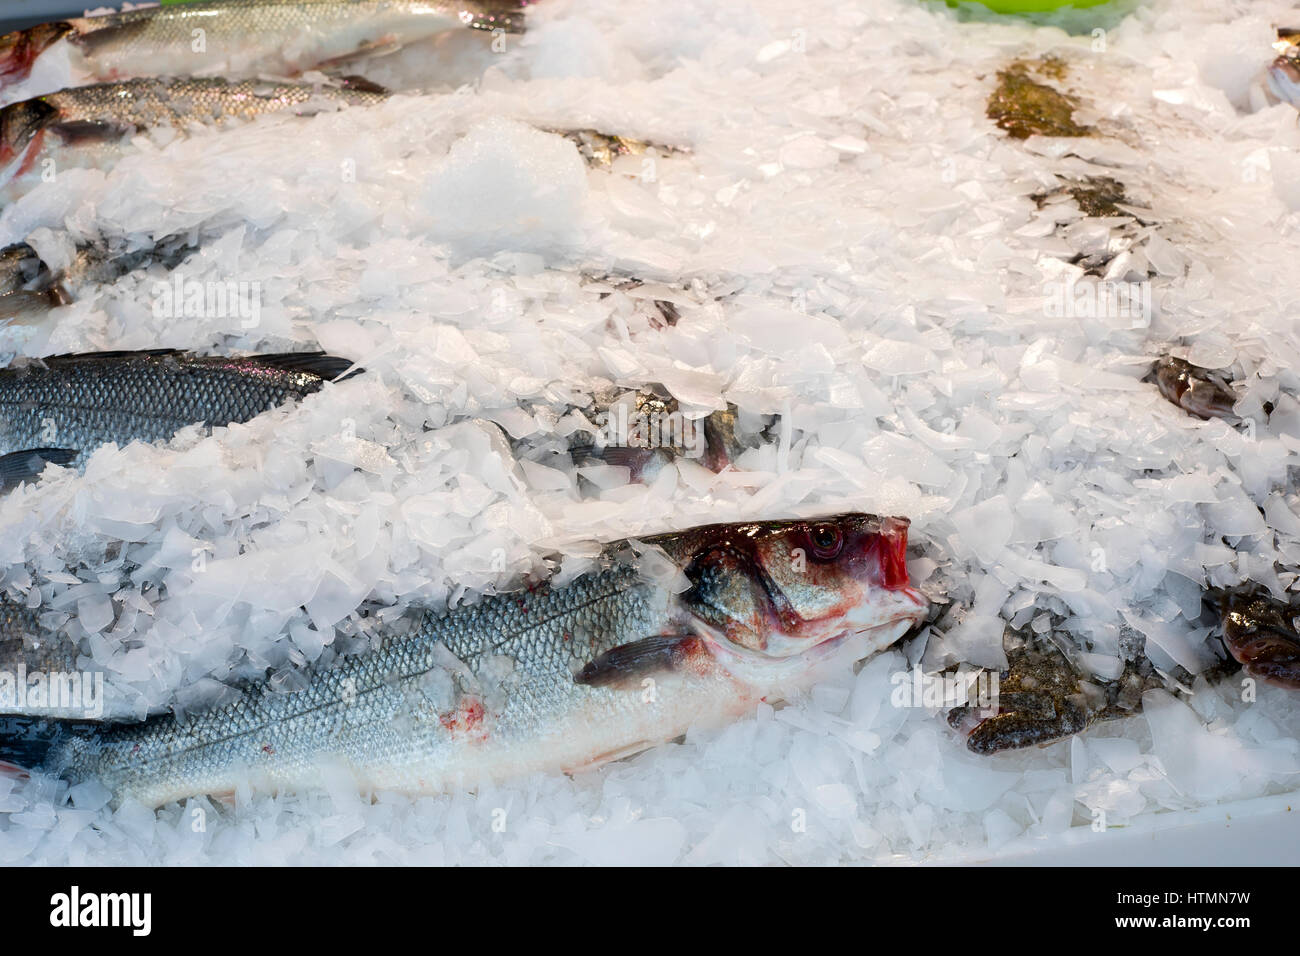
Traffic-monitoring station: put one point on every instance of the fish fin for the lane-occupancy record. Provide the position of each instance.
(28, 308)
(329, 367)
(364, 52)
(91, 37)
(19, 466)
(360, 84)
(634, 458)
(619, 666)
(87, 132)
(71, 357)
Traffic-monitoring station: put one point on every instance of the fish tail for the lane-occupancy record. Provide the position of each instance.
(37, 744)
(19, 50)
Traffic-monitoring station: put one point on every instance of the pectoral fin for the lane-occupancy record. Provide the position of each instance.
(628, 663)
(88, 132)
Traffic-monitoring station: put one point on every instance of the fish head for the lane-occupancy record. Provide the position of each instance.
(1283, 77)
(20, 124)
(771, 596)
(19, 50)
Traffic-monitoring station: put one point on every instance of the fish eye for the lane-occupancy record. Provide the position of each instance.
(826, 541)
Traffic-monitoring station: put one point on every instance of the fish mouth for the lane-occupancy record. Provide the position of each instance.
(857, 640)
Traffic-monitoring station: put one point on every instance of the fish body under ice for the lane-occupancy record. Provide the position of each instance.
(697, 629)
(241, 39)
(91, 126)
(643, 430)
(61, 409)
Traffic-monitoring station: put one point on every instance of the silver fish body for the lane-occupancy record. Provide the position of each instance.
(90, 126)
(74, 404)
(246, 38)
(549, 679)
(414, 715)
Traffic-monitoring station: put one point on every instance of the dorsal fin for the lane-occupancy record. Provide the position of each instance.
(69, 357)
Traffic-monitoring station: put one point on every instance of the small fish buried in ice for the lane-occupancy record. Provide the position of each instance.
(59, 410)
(645, 429)
(1043, 697)
(29, 289)
(90, 126)
(1194, 389)
(241, 39)
(22, 269)
(601, 149)
(548, 679)
(1260, 632)
(1282, 78)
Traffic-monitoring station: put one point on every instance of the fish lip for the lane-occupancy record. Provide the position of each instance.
(724, 651)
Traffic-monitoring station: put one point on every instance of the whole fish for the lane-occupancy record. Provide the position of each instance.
(697, 629)
(1044, 696)
(241, 39)
(90, 126)
(59, 410)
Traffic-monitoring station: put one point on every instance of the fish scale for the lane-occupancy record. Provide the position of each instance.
(563, 676)
(146, 103)
(245, 38)
(379, 715)
(18, 625)
(82, 402)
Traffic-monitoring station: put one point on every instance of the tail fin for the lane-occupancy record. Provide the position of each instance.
(32, 744)
(329, 367)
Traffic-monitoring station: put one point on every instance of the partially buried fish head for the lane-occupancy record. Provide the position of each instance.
(20, 124)
(20, 49)
(768, 594)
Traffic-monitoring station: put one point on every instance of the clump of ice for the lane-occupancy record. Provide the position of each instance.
(506, 186)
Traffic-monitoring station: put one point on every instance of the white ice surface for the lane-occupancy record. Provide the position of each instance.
(853, 245)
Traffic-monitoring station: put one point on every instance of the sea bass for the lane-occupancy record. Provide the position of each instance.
(59, 410)
(241, 39)
(90, 126)
(696, 628)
